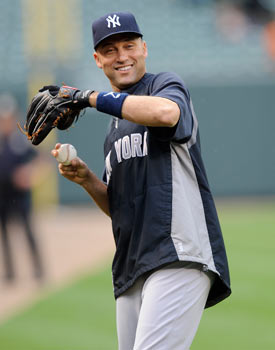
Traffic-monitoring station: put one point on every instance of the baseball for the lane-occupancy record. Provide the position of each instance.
(66, 153)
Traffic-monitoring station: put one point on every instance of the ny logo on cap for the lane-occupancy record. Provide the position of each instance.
(113, 20)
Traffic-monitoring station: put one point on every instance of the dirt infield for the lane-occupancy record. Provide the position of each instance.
(73, 241)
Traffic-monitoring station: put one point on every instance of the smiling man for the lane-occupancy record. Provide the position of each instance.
(170, 261)
(122, 58)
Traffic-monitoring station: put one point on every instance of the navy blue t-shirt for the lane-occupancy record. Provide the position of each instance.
(160, 203)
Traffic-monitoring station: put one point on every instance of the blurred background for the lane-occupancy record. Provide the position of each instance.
(225, 53)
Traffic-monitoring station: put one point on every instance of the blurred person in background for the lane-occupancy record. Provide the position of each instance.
(16, 163)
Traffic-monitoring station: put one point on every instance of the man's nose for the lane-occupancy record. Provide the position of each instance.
(122, 55)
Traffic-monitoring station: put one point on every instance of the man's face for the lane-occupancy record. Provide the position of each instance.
(122, 58)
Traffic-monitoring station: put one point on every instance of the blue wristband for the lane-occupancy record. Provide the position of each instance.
(111, 102)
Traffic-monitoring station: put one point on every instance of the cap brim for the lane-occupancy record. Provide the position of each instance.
(113, 34)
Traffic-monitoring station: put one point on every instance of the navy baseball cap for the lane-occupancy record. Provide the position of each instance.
(114, 23)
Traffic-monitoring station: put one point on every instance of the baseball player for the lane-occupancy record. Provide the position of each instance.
(170, 261)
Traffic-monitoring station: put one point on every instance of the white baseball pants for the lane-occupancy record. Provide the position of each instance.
(162, 311)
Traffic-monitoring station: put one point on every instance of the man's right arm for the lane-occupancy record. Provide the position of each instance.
(98, 191)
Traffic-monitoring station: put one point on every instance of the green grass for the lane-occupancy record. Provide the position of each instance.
(82, 316)
(246, 320)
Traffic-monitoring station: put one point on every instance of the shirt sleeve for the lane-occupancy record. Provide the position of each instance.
(170, 86)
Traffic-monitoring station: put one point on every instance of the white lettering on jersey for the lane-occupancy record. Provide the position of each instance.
(136, 140)
(118, 150)
(126, 147)
(145, 149)
(131, 147)
(108, 167)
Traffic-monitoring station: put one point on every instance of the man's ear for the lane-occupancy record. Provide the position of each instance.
(97, 60)
(145, 50)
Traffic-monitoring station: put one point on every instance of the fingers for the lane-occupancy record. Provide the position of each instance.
(76, 162)
(75, 171)
(71, 168)
(54, 152)
(67, 170)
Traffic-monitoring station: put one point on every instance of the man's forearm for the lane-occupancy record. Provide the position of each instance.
(98, 191)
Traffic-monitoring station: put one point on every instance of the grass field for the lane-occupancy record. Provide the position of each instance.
(82, 316)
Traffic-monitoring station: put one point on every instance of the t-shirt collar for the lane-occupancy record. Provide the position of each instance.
(131, 89)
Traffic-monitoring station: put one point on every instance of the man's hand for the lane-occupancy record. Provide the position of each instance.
(77, 171)
(54, 107)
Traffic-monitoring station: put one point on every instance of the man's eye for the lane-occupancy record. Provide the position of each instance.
(110, 50)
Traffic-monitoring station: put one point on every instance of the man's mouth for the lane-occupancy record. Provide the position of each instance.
(124, 68)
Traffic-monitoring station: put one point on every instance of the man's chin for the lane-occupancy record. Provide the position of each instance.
(126, 83)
